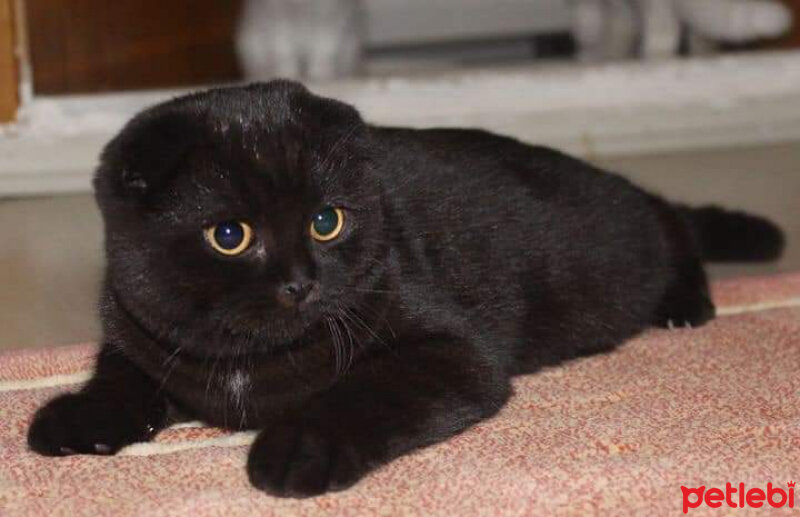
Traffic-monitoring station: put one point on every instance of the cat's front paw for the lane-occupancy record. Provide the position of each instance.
(303, 459)
(80, 424)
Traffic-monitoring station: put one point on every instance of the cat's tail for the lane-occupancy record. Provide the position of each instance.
(732, 236)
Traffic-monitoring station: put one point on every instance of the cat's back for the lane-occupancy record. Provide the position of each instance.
(475, 170)
(495, 221)
(439, 156)
(449, 167)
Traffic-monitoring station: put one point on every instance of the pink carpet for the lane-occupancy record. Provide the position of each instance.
(615, 435)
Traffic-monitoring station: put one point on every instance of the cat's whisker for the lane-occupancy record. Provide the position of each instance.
(375, 314)
(379, 315)
(357, 319)
(242, 370)
(336, 343)
(335, 340)
(211, 376)
(348, 348)
(169, 364)
(351, 349)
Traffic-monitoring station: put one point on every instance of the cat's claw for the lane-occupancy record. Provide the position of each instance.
(101, 448)
(671, 324)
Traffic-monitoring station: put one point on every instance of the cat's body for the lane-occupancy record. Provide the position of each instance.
(466, 258)
(618, 29)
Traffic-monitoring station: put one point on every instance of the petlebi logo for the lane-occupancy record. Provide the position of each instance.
(738, 496)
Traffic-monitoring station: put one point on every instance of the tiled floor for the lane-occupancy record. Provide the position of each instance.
(51, 258)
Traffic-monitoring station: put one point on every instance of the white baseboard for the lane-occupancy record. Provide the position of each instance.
(602, 110)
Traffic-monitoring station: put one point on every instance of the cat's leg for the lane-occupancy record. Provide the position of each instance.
(332, 56)
(383, 408)
(696, 44)
(735, 21)
(604, 30)
(661, 29)
(118, 406)
(269, 40)
(334, 46)
(687, 302)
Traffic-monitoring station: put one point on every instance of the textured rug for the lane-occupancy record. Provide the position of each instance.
(617, 434)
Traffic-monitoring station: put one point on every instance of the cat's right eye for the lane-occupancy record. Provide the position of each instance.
(229, 237)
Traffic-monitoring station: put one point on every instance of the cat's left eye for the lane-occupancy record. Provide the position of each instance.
(327, 224)
(229, 237)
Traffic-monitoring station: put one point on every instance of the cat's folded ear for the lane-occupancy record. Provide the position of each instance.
(146, 153)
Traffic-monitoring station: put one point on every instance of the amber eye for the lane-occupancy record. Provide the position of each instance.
(230, 237)
(327, 224)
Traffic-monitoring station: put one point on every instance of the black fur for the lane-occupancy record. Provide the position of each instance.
(467, 258)
(731, 236)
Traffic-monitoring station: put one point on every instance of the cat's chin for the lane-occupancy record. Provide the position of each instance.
(271, 335)
(232, 343)
(235, 334)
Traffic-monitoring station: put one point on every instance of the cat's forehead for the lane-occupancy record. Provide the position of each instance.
(288, 154)
(282, 127)
(272, 136)
(273, 162)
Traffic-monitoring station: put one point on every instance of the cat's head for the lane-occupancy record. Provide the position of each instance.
(241, 218)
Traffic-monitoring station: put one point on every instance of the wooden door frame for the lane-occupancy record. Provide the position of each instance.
(9, 64)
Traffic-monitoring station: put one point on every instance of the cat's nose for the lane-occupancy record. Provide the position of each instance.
(298, 292)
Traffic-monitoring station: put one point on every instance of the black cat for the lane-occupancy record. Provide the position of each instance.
(357, 292)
